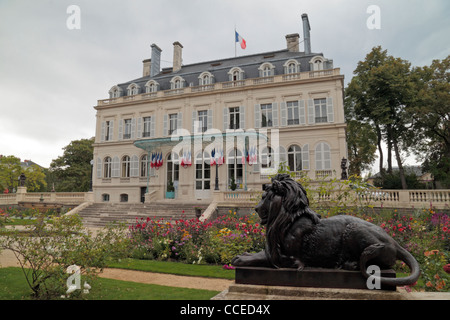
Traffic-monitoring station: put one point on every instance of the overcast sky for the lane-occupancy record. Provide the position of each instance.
(51, 76)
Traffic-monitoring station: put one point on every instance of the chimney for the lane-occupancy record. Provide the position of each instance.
(146, 71)
(155, 65)
(177, 57)
(292, 42)
(306, 36)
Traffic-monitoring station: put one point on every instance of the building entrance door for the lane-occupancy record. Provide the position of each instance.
(173, 174)
(202, 176)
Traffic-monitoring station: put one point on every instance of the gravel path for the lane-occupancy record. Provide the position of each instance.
(7, 259)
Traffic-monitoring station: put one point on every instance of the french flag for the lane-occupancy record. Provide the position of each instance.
(240, 40)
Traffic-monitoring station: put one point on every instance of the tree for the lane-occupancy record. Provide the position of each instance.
(431, 119)
(10, 170)
(72, 171)
(381, 91)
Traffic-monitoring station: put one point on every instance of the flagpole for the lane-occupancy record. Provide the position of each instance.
(235, 52)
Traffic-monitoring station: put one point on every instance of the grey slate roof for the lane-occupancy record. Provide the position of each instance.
(220, 68)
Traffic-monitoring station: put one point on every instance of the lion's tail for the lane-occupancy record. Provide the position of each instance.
(402, 255)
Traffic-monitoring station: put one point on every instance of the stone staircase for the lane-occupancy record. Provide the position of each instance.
(98, 215)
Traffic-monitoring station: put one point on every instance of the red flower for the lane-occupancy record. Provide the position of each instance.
(447, 268)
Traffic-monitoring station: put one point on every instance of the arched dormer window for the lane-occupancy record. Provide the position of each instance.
(205, 78)
(177, 82)
(317, 63)
(291, 66)
(266, 70)
(115, 92)
(133, 89)
(236, 74)
(151, 86)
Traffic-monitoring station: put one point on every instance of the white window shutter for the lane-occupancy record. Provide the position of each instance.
(194, 118)
(152, 126)
(305, 157)
(257, 116)
(165, 130)
(301, 111)
(134, 168)
(225, 119)
(330, 111)
(210, 118)
(120, 129)
(139, 128)
(180, 120)
(111, 129)
(326, 157)
(103, 131)
(115, 167)
(133, 128)
(283, 111)
(311, 113)
(242, 117)
(99, 168)
(275, 114)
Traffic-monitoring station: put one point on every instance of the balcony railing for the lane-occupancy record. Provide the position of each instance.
(223, 86)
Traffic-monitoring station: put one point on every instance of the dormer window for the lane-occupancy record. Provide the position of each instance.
(177, 83)
(266, 70)
(205, 78)
(317, 63)
(236, 74)
(151, 86)
(115, 92)
(133, 89)
(291, 66)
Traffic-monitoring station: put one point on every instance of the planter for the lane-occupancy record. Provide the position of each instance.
(198, 212)
(170, 194)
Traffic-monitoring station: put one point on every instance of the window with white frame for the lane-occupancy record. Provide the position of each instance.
(234, 122)
(236, 74)
(126, 164)
(266, 157)
(266, 70)
(108, 130)
(295, 158)
(127, 129)
(203, 119)
(115, 92)
(144, 166)
(107, 167)
(151, 86)
(291, 66)
(293, 116)
(147, 127)
(173, 122)
(320, 110)
(205, 78)
(266, 115)
(133, 89)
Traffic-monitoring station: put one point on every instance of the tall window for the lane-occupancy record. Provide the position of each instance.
(235, 168)
(320, 110)
(147, 126)
(292, 68)
(323, 156)
(202, 172)
(127, 129)
(173, 120)
(203, 118)
(126, 163)
(266, 157)
(266, 115)
(144, 165)
(292, 112)
(108, 130)
(234, 118)
(295, 158)
(107, 167)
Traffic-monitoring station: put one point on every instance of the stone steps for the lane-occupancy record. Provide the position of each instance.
(100, 214)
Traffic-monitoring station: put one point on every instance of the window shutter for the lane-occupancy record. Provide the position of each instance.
(225, 119)
(103, 131)
(99, 168)
(111, 129)
(194, 118)
(311, 113)
(120, 129)
(275, 114)
(330, 111)
(301, 111)
(257, 116)
(115, 167)
(283, 112)
(180, 120)
(134, 167)
(210, 118)
(242, 117)
(133, 128)
(326, 156)
(152, 126)
(305, 157)
(165, 125)
(139, 128)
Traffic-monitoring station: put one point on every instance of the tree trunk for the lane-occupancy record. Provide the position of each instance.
(400, 165)
(380, 150)
(389, 146)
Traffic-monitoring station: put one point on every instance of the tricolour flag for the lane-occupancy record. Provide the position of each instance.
(240, 40)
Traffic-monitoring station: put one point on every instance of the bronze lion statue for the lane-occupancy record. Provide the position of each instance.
(298, 237)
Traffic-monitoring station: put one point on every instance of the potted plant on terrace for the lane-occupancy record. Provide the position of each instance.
(170, 192)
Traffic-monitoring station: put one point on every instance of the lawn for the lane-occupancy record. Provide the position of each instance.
(13, 286)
